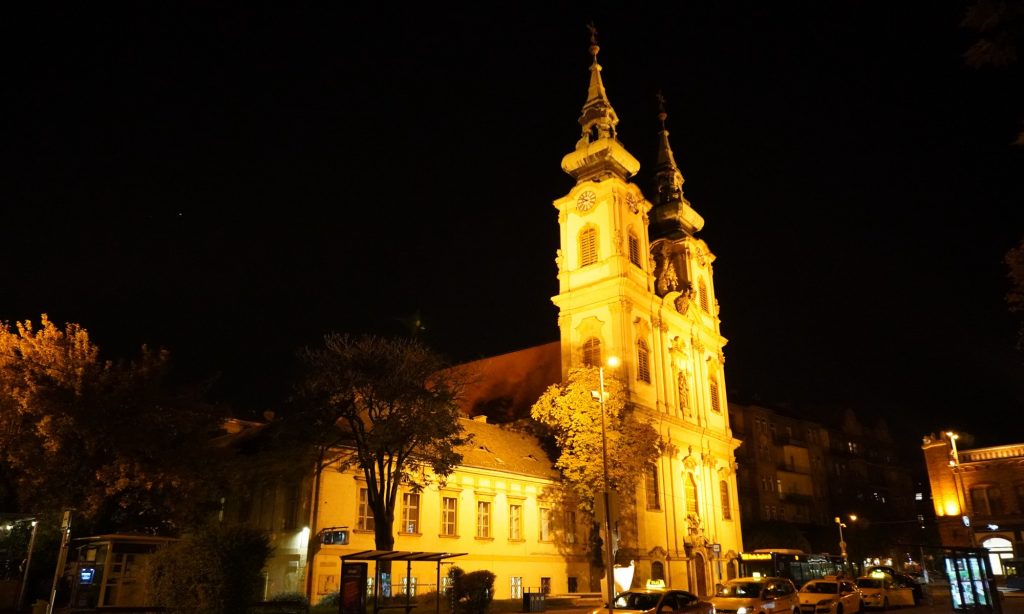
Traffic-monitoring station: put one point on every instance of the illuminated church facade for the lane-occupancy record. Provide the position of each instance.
(635, 282)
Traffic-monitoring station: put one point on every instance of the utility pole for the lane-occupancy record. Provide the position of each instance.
(65, 538)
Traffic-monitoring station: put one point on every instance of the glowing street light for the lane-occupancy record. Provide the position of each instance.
(961, 496)
(609, 572)
(842, 544)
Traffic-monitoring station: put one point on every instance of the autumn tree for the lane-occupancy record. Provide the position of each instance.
(385, 406)
(572, 413)
(107, 438)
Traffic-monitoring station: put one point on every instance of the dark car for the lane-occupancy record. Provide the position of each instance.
(899, 579)
(659, 601)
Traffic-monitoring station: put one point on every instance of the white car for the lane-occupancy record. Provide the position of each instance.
(830, 595)
(756, 596)
(658, 601)
(879, 591)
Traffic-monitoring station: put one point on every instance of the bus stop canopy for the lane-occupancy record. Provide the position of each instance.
(399, 555)
(409, 558)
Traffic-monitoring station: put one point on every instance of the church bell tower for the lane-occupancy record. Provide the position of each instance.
(635, 282)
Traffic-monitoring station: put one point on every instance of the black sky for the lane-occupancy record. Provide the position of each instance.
(233, 182)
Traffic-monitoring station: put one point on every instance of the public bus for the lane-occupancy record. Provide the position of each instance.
(796, 565)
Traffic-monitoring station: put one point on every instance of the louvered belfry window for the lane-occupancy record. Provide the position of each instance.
(634, 249)
(592, 352)
(588, 247)
(643, 362)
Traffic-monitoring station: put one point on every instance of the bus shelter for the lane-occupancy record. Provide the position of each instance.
(972, 586)
(352, 591)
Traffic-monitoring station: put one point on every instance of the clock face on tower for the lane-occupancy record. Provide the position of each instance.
(586, 201)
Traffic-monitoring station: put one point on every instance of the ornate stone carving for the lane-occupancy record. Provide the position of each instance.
(668, 280)
(558, 259)
(682, 304)
(684, 390)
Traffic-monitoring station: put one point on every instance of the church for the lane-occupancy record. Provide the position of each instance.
(635, 283)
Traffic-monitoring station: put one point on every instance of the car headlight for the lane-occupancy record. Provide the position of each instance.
(741, 610)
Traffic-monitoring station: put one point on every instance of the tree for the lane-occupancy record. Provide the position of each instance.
(217, 570)
(999, 26)
(386, 406)
(107, 438)
(572, 414)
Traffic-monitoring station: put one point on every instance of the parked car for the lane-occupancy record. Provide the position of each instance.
(830, 595)
(880, 592)
(659, 601)
(899, 579)
(757, 596)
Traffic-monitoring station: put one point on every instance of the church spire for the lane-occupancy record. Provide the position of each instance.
(598, 154)
(668, 179)
(672, 216)
(598, 117)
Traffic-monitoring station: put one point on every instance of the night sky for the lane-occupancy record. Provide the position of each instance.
(231, 183)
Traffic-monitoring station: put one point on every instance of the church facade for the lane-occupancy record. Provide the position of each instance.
(636, 283)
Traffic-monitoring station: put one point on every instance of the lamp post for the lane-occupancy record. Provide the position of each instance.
(958, 486)
(609, 572)
(842, 544)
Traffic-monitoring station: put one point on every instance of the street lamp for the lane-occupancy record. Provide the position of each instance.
(842, 544)
(961, 495)
(609, 572)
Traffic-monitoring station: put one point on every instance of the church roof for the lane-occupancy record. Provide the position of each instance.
(498, 447)
(504, 387)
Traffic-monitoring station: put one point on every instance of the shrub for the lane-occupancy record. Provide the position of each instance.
(217, 570)
(293, 597)
(470, 593)
(330, 599)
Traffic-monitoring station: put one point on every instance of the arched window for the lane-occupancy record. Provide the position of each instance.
(588, 246)
(651, 487)
(643, 362)
(657, 570)
(691, 495)
(716, 402)
(634, 249)
(999, 548)
(723, 488)
(702, 288)
(592, 352)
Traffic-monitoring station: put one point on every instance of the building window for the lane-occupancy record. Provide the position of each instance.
(515, 522)
(291, 508)
(545, 586)
(651, 487)
(987, 501)
(517, 587)
(643, 362)
(449, 516)
(702, 288)
(365, 521)
(723, 489)
(411, 512)
(657, 570)
(691, 496)
(592, 352)
(546, 524)
(483, 518)
(634, 248)
(574, 585)
(588, 247)
(570, 527)
(409, 586)
(716, 403)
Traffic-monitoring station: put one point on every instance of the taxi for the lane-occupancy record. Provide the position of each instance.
(830, 595)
